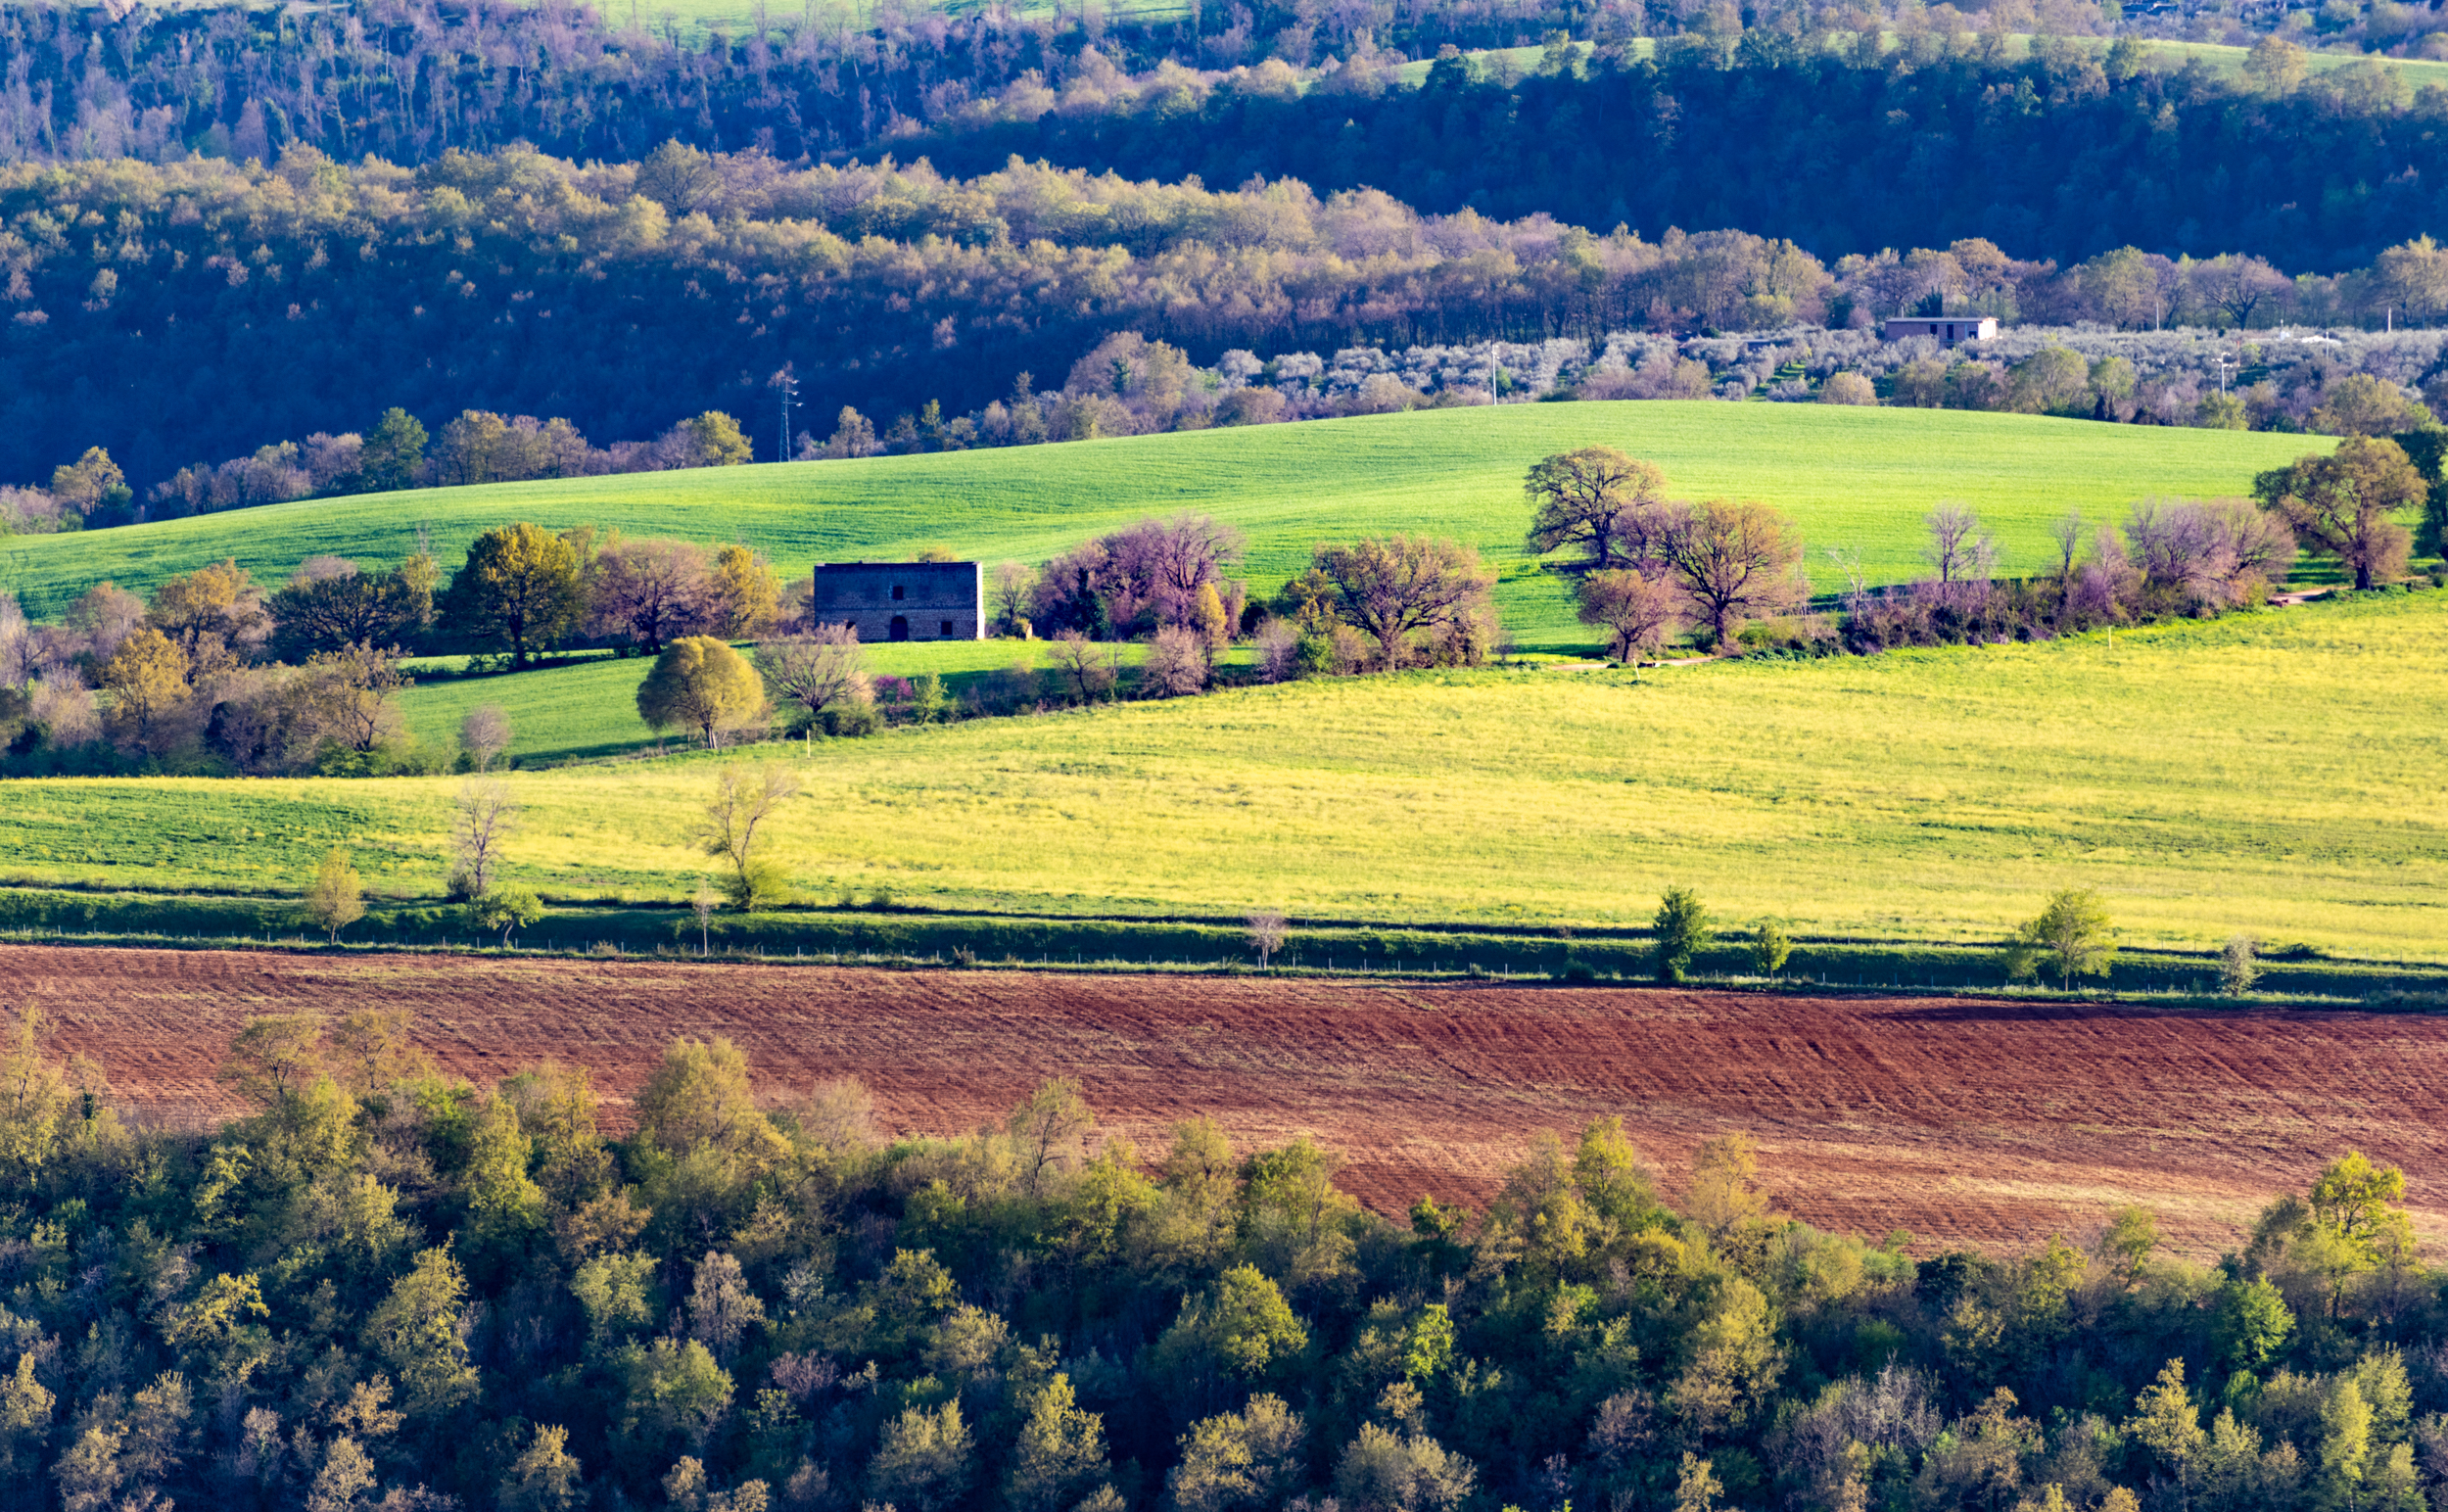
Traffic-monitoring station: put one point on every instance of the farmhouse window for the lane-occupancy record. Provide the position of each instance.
(947, 627)
(896, 592)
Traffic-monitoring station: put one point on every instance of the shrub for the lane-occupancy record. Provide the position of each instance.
(1279, 648)
(1177, 662)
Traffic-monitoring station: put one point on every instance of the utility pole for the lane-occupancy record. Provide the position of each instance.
(787, 387)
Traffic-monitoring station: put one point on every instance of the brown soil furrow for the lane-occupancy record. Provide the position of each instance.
(1962, 1120)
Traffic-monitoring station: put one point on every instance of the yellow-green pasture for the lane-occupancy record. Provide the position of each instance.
(2277, 774)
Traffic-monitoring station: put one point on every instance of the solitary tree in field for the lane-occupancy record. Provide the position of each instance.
(1682, 928)
(2071, 937)
(1637, 611)
(481, 820)
(1598, 499)
(2239, 965)
(520, 585)
(701, 683)
(1266, 936)
(337, 899)
(1734, 560)
(2341, 504)
(1770, 948)
(744, 799)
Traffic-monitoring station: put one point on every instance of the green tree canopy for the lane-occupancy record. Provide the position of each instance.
(701, 683)
(519, 588)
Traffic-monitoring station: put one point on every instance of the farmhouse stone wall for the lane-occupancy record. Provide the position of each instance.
(902, 600)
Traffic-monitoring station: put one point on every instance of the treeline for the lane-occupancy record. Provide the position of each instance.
(215, 673)
(1781, 123)
(474, 447)
(222, 309)
(384, 1287)
(410, 78)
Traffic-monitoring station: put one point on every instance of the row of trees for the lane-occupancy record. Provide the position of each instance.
(213, 669)
(1647, 566)
(220, 313)
(382, 1285)
(474, 447)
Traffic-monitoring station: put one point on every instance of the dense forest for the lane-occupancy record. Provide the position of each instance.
(172, 315)
(1782, 128)
(378, 218)
(383, 1287)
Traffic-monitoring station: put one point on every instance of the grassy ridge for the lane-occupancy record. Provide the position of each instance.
(2273, 773)
(1856, 478)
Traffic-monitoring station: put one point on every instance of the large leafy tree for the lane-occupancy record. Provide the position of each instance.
(1595, 497)
(1734, 560)
(2345, 503)
(1392, 587)
(700, 683)
(520, 588)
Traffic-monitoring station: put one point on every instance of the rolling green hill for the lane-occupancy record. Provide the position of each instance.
(1853, 477)
(2273, 773)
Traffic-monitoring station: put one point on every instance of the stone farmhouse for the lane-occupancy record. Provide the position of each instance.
(901, 600)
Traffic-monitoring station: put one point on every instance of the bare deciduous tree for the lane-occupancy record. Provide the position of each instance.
(1089, 668)
(1392, 587)
(482, 818)
(1177, 662)
(648, 591)
(1047, 1121)
(1958, 548)
(484, 733)
(744, 798)
(1176, 557)
(822, 670)
(1008, 591)
(1267, 929)
(1847, 561)
(2067, 534)
(1733, 561)
(1636, 610)
(1279, 650)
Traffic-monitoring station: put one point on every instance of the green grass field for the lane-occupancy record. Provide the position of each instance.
(2275, 772)
(1853, 477)
(560, 714)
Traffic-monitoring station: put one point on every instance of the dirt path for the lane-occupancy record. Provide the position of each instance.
(1964, 1121)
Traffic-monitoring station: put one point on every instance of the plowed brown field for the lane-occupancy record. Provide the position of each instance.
(1964, 1121)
